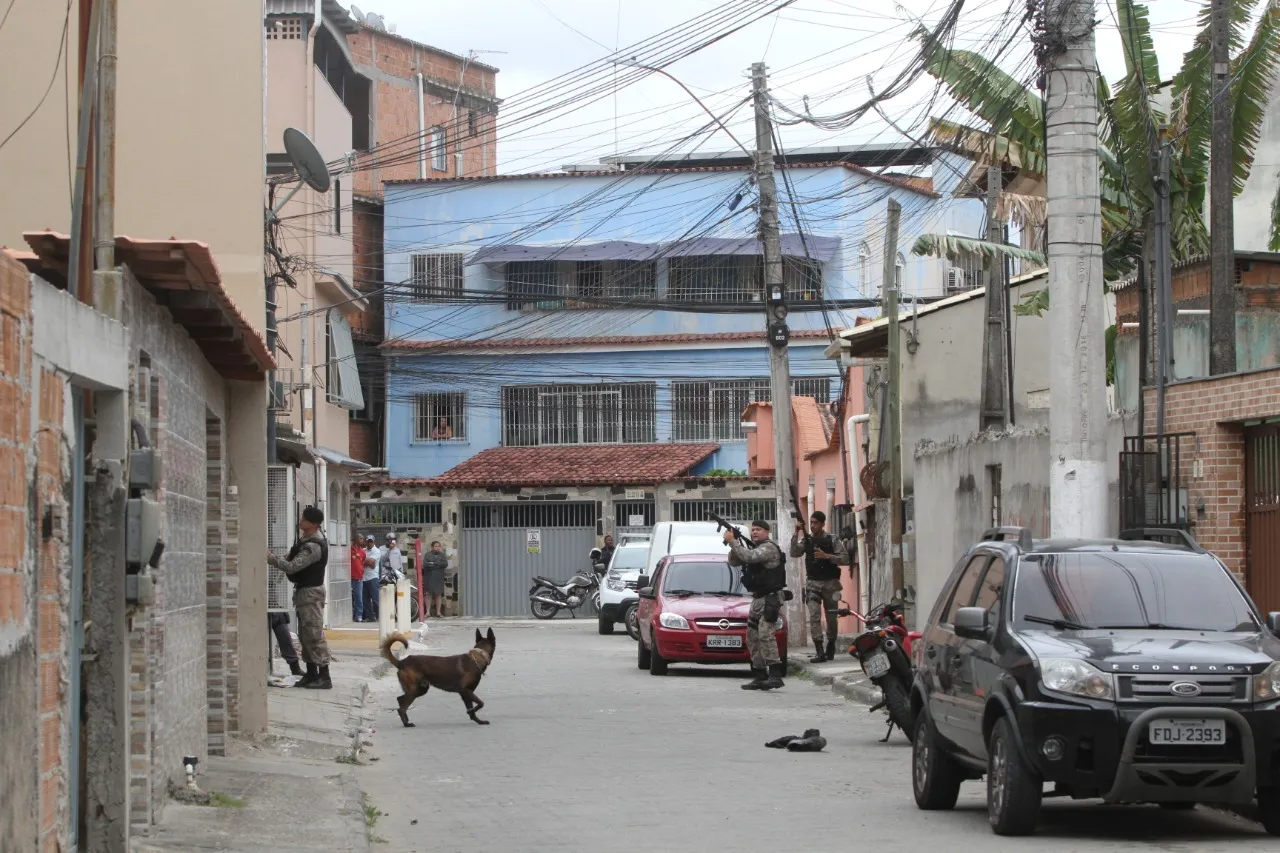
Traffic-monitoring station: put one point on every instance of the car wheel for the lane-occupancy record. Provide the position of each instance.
(643, 658)
(1269, 809)
(606, 625)
(657, 664)
(1013, 789)
(935, 776)
(632, 620)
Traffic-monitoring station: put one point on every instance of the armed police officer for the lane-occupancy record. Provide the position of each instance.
(823, 555)
(764, 575)
(305, 567)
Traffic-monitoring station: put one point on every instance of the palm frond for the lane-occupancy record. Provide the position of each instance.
(1136, 117)
(951, 247)
(1274, 245)
(978, 146)
(1192, 93)
(1253, 72)
(1026, 211)
(1139, 47)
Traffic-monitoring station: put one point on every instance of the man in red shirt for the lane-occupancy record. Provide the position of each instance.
(357, 581)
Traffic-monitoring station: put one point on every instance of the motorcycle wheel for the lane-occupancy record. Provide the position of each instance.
(898, 704)
(632, 621)
(542, 610)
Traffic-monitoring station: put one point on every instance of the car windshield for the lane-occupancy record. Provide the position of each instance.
(629, 558)
(701, 578)
(1124, 591)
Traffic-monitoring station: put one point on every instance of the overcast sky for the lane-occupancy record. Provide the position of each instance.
(823, 49)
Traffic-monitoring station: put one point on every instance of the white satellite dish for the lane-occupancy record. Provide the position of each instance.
(359, 16)
(391, 28)
(375, 21)
(308, 163)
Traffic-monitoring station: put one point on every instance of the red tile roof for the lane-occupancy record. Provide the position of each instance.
(624, 340)
(910, 185)
(586, 465)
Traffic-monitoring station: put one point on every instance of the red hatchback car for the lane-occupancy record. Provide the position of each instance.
(694, 610)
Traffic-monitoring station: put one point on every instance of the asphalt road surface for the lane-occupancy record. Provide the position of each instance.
(585, 752)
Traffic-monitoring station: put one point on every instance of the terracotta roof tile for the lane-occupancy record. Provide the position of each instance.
(624, 340)
(585, 465)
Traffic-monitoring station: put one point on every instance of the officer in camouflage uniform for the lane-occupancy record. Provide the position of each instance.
(764, 575)
(823, 555)
(305, 567)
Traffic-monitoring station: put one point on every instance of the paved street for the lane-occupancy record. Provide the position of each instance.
(588, 753)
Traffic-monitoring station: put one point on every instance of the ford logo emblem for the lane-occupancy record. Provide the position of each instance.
(724, 626)
(1185, 688)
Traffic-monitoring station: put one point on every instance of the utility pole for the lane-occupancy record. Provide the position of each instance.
(891, 288)
(1077, 353)
(1222, 300)
(784, 456)
(1164, 282)
(994, 408)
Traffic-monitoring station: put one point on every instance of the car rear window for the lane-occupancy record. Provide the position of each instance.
(1128, 591)
(702, 578)
(629, 558)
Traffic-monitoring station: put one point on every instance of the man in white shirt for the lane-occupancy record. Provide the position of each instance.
(373, 558)
(391, 562)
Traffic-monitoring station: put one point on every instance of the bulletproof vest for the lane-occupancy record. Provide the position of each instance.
(821, 570)
(312, 575)
(768, 577)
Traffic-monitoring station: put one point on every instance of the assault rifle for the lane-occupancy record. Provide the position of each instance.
(799, 519)
(723, 524)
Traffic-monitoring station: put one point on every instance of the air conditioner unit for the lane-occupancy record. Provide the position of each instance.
(956, 281)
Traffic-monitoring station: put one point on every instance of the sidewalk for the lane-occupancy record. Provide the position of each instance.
(291, 790)
(843, 675)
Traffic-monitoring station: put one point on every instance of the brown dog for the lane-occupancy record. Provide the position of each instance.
(459, 674)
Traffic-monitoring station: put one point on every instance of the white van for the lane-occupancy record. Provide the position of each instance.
(687, 537)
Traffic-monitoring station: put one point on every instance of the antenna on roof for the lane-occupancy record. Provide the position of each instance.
(308, 163)
(375, 21)
(391, 28)
(359, 16)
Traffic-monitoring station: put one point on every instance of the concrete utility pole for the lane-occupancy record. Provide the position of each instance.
(995, 402)
(784, 455)
(1222, 302)
(892, 286)
(1077, 353)
(1164, 282)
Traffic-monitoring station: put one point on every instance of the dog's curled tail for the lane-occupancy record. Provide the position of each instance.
(387, 645)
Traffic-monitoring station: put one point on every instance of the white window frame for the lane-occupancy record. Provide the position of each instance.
(724, 415)
(342, 385)
(439, 150)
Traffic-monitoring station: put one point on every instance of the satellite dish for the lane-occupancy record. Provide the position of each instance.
(391, 28)
(306, 159)
(359, 16)
(375, 21)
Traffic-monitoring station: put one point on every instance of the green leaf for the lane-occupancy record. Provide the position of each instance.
(1111, 354)
(1136, 118)
(978, 145)
(1139, 48)
(1033, 304)
(946, 245)
(1274, 245)
(1253, 71)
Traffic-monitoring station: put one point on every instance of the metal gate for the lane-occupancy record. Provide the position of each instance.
(1262, 503)
(505, 544)
(280, 532)
(633, 518)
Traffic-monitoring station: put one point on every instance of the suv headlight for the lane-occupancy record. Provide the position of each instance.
(617, 584)
(1266, 684)
(673, 620)
(1077, 678)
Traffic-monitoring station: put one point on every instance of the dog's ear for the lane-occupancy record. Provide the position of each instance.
(491, 637)
(479, 639)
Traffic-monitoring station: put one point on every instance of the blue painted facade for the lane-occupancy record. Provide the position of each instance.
(441, 217)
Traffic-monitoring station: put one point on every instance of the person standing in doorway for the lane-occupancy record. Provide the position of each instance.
(305, 566)
(372, 556)
(434, 564)
(357, 580)
(823, 555)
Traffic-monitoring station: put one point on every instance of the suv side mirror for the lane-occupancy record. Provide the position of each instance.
(971, 623)
(642, 581)
(646, 592)
(1273, 622)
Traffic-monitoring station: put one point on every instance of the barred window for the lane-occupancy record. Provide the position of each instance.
(436, 277)
(712, 411)
(534, 415)
(440, 417)
(396, 514)
(531, 284)
(550, 285)
(715, 278)
(734, 509)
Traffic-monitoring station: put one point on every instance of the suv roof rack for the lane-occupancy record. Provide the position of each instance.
(1174, 535)
(1005, 534)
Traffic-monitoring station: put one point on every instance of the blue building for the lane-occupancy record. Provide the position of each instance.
(626, 307)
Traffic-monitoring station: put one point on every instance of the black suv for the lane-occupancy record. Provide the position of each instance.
(1131, 670)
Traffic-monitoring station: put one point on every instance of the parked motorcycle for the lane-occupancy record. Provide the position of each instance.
(884, 650)
(548, 597)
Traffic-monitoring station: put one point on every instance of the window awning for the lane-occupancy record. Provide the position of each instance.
(344, 377)
(333, 457)
(820, 248)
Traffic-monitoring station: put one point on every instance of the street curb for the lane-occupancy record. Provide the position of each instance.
(855, 687)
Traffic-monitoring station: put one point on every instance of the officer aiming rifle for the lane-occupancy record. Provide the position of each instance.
(764, 575)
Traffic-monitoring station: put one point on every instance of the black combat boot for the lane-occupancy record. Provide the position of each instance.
(832, 630)
(812, 741)
(758, 678)
(774, 681)
(322, 681)
(820, 657)
(295, 668)
(313, 672)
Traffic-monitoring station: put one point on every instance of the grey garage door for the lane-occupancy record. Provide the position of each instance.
(498, 562)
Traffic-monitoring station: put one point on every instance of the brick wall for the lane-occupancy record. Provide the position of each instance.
(1259, 285)
(1215, 409)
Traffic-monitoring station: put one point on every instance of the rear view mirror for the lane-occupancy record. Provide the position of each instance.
(1273, 621)
(971, 623)
(642, 581)
(646, 592)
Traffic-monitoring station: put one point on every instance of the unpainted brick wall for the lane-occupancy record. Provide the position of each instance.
(1214, 409)
(1259, 285)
